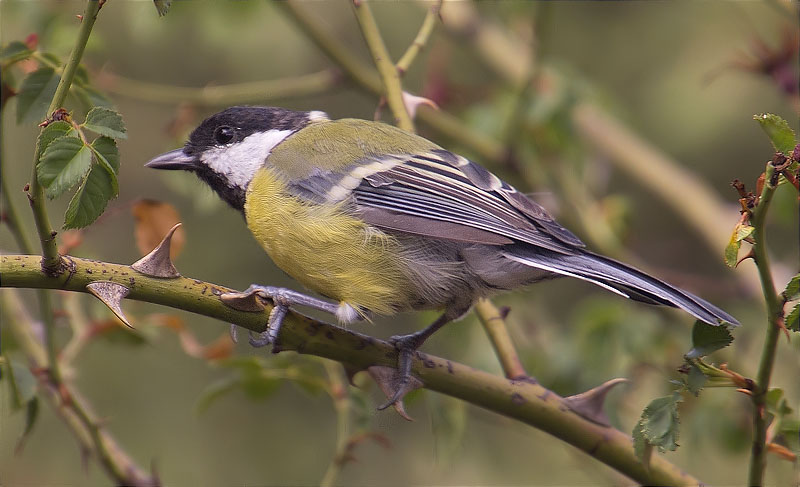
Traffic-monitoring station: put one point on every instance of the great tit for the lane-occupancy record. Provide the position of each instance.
(385, 221)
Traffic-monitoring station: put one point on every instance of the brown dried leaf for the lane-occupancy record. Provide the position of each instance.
(153, 220)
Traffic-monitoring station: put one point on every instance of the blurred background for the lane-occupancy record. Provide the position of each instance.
(683, 78)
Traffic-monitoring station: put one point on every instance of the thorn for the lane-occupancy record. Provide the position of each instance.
(589, 404)
(234, 334)
(746, 392)
(412, 102)
(157, 263)
(111, 294)
(79, 17)
(387, 378)
(781, 451)
(749, 255)
(249, 301)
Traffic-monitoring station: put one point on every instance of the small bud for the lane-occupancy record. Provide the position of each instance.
(796, 153)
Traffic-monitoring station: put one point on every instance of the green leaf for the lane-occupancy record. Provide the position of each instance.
(52, 132)
(105, 121)
(740, 232)
(659, 422)
(641, 447)
(14, 52)
(105, 149)
(23, 383)
(65, 162)
(779, 132)
(91, 198)
(31, 414)
(35, 94)
(792, 290)
(696, 380)
(792, 320)
(215, 391)
(708, 338)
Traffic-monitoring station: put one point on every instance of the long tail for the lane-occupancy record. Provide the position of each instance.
(619, 278)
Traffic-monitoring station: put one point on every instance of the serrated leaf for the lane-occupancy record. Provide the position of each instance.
(105, 121)
(641, 447)
(65, 162)
(708, 338)
(14, 52)
(215, 391)
(659, 422)
(792, 320)
(779, 132)
(792, 290)
(105, 148)
(35, 94)
(51, 133)
(696, 380)
(91, 198)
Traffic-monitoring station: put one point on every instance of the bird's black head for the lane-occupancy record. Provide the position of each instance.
(229, 147)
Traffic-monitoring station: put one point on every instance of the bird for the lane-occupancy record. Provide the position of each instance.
(383, 221)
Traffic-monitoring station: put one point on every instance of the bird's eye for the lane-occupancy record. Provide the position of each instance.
(223, 134)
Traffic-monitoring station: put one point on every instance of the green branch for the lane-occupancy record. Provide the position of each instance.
(758, 455)
(390, 76)
(223, 95)
(51, 262)
(67, 402)
(529, 403)
(420, 40)
(495, 325)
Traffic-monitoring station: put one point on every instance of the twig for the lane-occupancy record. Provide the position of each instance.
(758, 458)
(223, 95)
(390, 77)
(51, 261)
(420, 40)
(529, 403)
(495, 325)
(365, 77)
(337, 388)
(67, 402)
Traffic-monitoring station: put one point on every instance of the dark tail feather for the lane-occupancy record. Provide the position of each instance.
(620, 278)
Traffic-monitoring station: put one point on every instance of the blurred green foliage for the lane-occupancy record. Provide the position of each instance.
(665, 68)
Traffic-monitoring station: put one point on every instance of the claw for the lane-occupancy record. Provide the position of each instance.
(394, 386)
(234, 334)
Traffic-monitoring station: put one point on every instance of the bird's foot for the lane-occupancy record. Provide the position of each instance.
(400, 382)
(252, 300)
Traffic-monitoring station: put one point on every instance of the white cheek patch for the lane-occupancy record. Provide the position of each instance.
(239, 161)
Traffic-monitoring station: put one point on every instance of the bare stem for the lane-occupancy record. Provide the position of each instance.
(223, 95)
(495, 325)
(420, 40)
(758, 455)
(67, 402)
(392, 88)
(51, 262)
(337, 388)
(529, 403)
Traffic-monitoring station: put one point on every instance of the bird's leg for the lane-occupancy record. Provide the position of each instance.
(283, 298)
(406, 345)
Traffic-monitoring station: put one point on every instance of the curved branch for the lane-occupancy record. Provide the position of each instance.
(529, 403)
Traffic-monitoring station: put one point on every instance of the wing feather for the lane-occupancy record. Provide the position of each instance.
(437, 190)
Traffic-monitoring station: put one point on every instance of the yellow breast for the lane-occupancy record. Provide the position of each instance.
(325, 249)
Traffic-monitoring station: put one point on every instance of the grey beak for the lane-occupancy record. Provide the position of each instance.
(174, 159)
